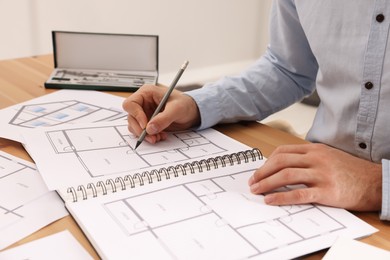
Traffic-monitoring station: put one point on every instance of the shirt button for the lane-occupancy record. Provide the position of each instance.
(380, 18)
(368, 85)
(363, 145)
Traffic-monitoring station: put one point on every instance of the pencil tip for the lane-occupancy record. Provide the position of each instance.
(136, 145)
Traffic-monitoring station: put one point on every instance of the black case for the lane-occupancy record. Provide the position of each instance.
(103, 61)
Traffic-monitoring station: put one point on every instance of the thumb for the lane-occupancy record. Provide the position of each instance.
(157, 124)
(161, 121)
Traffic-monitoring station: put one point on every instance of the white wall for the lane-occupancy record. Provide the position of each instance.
(218, 37)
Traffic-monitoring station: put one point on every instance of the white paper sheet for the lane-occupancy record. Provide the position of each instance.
(26, 204)
(61, 245)
(347, 248)
(208, 216)
(60, 107)
(79, 154)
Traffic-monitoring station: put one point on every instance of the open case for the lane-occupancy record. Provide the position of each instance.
(101, 61)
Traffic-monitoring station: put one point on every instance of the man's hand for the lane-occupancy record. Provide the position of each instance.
(180, 112)
(332, 177)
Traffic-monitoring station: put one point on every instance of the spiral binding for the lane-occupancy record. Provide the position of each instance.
(131, 181)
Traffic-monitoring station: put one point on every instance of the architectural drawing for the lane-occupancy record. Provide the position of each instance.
(24, 200)
(196, 216)
(105, 150)
(9, 207)
(62, 107)
(60, 112)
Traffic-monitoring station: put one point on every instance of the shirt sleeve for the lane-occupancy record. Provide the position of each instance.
(285, 74)
(385, 213)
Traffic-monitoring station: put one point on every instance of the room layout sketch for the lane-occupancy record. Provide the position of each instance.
(11, 175)
(105, 150)
(197, 215)
(26, 204)
(19, 184)
(60, 112)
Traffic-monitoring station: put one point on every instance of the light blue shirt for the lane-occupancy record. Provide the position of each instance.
(338, 47)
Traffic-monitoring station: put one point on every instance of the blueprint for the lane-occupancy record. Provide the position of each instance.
(60, 107)
(209, 216)
(26, 204)
(80, 154)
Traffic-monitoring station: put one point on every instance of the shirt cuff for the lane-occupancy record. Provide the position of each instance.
(385, 213)
(209, 111)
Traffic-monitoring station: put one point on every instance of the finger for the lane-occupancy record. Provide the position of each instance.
(288, 176)
(136, 114)
(158, 124)
(164, 119)
(133, 126)
(277, 163)
(152, 139)
(156, 138)
(292, 148)
(164, 136)
(143, 103)
(300, 148)
(298, 196)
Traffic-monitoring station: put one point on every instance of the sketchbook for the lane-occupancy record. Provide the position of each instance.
(185, 198)
(204, 210)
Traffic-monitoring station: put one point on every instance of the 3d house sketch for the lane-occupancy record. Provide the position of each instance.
(55, 113)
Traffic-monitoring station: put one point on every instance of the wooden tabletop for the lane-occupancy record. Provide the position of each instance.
(22, 79)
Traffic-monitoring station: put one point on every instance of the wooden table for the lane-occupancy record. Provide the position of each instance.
(23, 79)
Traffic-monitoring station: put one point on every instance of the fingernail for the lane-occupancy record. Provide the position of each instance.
(152, 129)
(150, 139)
(254, 187)
(269, 199)
(251, 180)
(142, 125)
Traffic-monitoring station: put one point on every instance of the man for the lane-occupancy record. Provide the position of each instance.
(337, 47)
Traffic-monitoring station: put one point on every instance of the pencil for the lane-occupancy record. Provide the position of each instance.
(163, 101)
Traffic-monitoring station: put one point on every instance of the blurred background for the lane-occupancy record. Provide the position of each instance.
(216, 36)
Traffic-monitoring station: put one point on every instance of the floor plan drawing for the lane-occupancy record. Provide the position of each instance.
(8, 207)
(25, 200)
(110, 149)
(209, 212)
(62, 107)
(209, 215)
(78, 154)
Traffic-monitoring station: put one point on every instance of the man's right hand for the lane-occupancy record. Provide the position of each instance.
(180, 112)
